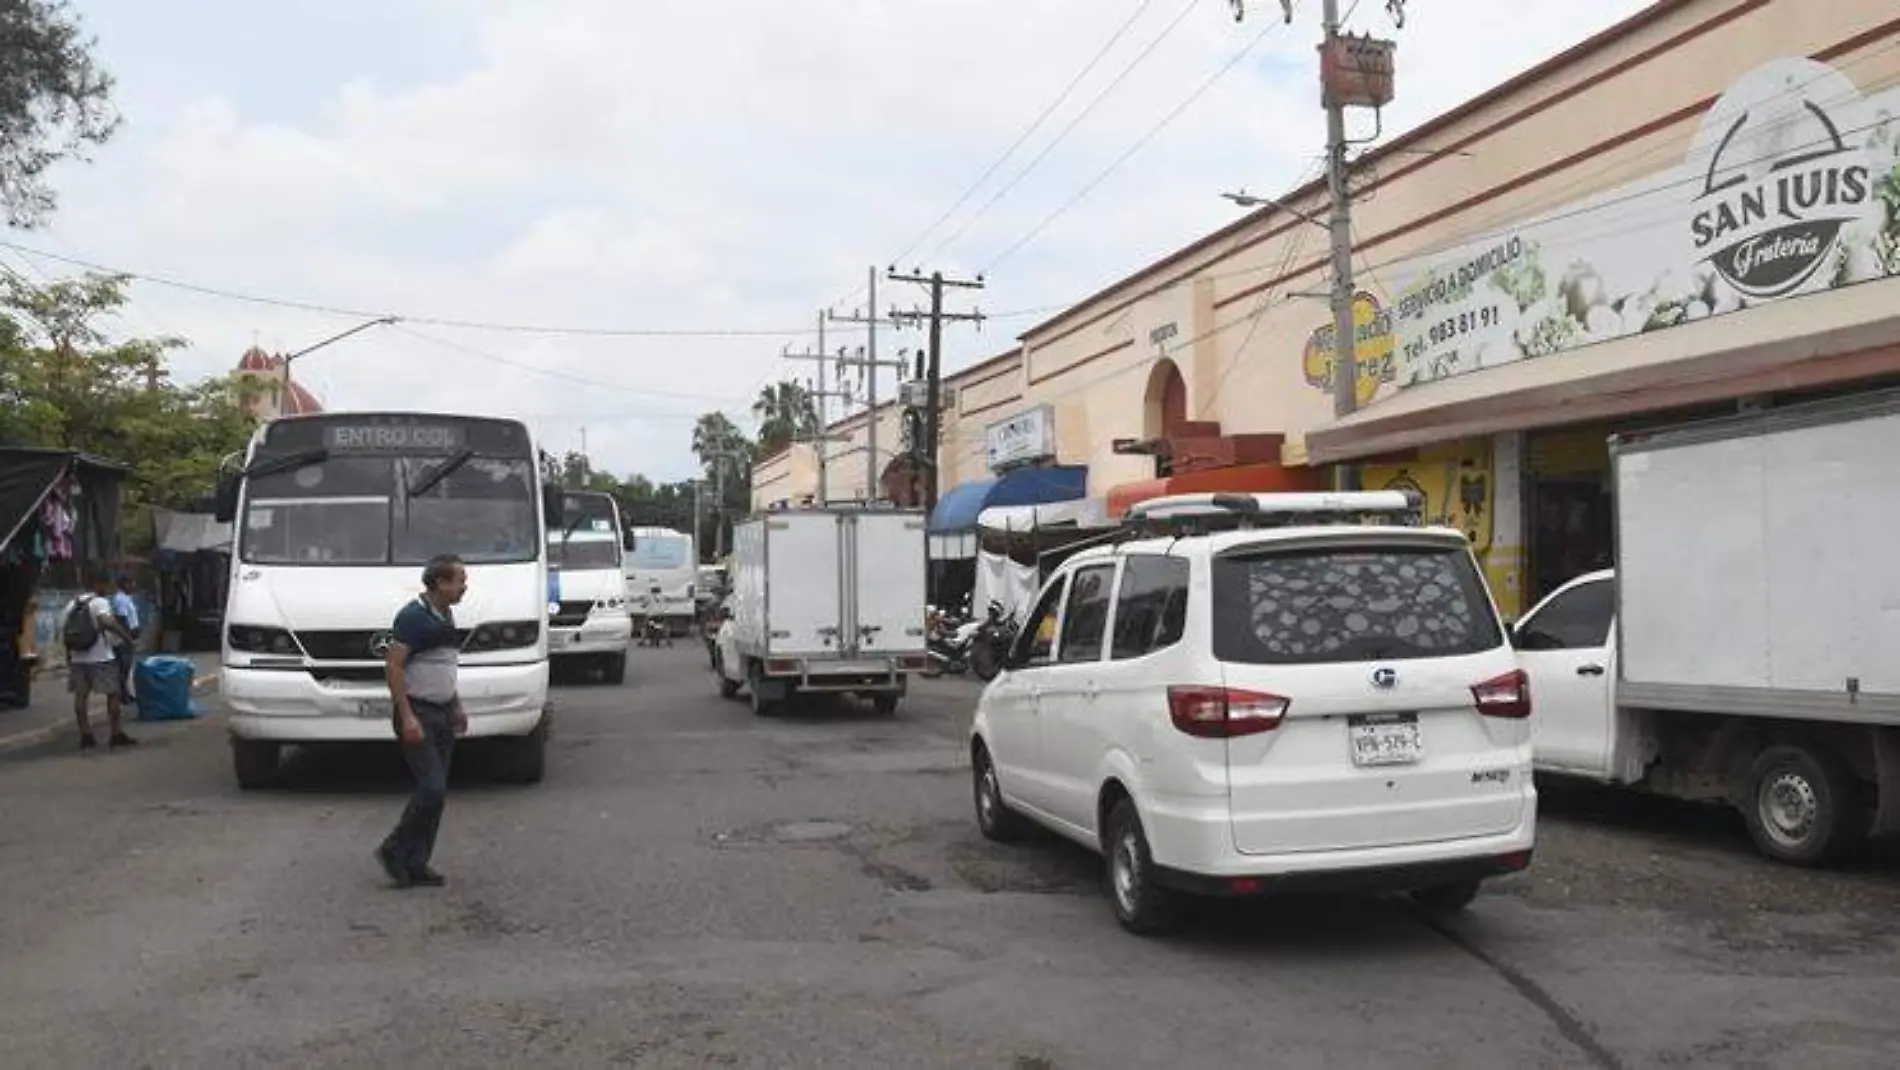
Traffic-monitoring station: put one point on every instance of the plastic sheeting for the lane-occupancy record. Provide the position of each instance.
(1082, 513)
(188, 533)
(1002, 580)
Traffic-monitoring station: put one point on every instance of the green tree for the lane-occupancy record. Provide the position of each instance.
(65, 383)
(55, 102)
(786, 414)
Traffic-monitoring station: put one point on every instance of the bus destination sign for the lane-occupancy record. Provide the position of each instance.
(393, 437)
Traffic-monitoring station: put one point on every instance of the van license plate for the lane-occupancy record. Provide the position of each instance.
(380, 709)
(1391, 740)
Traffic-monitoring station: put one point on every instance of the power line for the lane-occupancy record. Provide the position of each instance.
(1063, 134)
(554, 373)
(420, 320)
(1139, 144)
(1028, 131)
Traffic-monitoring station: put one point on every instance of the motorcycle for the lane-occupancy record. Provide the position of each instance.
(991, 643)
(951, 639)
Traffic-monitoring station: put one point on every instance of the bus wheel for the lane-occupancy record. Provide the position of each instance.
(524, 760)
(255, 762)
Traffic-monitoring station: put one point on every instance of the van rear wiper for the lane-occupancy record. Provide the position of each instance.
(439, 473)
(287, 463)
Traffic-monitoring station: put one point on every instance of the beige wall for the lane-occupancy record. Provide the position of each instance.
(786, 476)
(1626, 109)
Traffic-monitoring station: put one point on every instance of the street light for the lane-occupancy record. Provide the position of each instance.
(380, 321)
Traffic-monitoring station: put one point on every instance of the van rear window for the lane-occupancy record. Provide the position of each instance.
(1306, 607)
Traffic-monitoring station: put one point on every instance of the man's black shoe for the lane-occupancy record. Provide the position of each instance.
(88, 742)
(393, 866)
(427, 878)
(120, 739)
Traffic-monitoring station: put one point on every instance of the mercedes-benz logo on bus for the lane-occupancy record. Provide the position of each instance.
(380, 643)
(1385, 679)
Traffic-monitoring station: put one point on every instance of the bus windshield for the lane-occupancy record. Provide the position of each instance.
(659, 551)
(356, 510)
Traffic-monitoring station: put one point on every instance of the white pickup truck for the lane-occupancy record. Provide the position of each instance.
(824, 600)
(1746, 648)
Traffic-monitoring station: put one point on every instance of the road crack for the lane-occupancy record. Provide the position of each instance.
(1567, 1023)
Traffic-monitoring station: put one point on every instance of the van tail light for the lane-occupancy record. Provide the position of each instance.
(1224, 712)
(1505, 696)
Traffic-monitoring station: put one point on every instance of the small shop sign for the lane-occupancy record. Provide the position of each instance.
(1025, 438)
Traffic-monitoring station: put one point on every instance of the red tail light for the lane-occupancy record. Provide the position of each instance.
(1224, 712)
(1506, 696)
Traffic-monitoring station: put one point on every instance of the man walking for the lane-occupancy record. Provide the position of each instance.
(125, 651)
(90, 631)
(421, 669)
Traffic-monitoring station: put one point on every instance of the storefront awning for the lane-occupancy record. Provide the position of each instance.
(1840, 336)
(961, 505)
(1249, 478)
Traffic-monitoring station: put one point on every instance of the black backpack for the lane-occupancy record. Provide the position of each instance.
(81, 630)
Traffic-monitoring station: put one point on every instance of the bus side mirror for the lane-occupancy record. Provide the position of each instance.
(554, 504)
(627, 541)
(224, 505)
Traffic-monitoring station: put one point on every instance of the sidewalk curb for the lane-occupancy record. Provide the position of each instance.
(33, 737)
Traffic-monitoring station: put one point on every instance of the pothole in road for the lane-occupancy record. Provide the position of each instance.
(813, 830)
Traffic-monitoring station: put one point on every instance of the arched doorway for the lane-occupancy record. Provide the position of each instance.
(1165, 401)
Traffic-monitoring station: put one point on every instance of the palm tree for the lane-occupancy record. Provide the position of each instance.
(786, 413)
(717, 439)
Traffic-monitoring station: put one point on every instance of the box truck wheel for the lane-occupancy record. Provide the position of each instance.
(1802, 804)
(255, 763)
(885, 703)
(755, 683)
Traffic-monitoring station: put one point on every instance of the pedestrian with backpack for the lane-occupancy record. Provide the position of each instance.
(90, 630)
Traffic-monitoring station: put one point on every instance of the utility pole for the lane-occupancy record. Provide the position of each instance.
(1354, 72)
(870, 365)
(934, 373)
(1345, 359)
(821, 395)
(699, 516)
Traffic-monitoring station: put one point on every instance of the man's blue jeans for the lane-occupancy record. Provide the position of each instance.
(413, 840)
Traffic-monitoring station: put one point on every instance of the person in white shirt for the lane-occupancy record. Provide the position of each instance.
(93, 666)
(125, 651)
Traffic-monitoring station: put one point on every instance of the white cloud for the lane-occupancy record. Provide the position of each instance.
(676, 163)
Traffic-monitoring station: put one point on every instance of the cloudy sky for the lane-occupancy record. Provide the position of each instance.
(684, 166)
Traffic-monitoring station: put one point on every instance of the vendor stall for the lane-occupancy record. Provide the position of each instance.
(59, 512)
(193, 566)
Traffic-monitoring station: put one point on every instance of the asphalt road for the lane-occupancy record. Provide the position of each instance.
(693, 886)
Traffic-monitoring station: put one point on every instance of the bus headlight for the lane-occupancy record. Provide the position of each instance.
(504, 635)
(255, 640)
(613, 604)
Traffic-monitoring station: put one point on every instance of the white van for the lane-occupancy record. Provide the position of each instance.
(1320, 699)
(588, 620)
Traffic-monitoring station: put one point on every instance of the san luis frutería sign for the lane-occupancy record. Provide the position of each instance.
(1790, 187)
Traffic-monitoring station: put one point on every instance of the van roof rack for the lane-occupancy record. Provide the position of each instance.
(1199, 514)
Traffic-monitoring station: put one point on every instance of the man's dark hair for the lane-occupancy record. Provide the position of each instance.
(439, 569)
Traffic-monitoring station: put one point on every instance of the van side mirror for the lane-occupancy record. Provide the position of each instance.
(627, 541)
(224, 504)
(554, 504)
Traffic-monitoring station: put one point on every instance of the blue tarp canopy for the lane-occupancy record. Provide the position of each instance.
(959, 506)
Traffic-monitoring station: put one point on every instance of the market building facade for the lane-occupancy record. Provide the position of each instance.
(1695, 210)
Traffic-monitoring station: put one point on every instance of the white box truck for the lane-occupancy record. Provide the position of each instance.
(1746, 647)
(824, 600)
